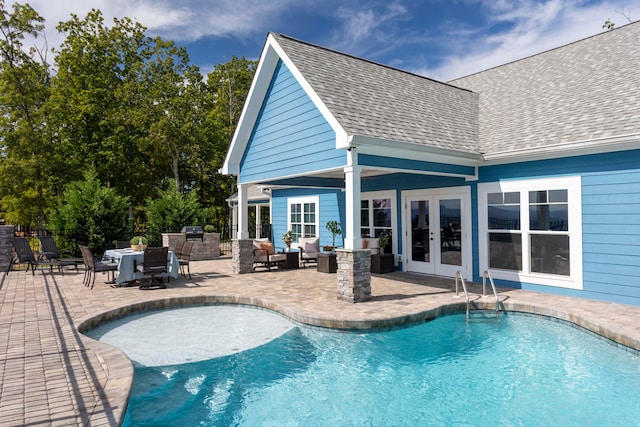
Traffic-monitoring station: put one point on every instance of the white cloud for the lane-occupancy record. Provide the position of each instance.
(177, 20)
(361, 25)
(535, 27)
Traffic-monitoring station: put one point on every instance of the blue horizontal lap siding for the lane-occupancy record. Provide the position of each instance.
(331, 208)
(611, 232)
(290, 136)
(610, 219)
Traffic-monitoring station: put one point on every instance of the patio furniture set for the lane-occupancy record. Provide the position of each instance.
(267, 256)
(123, 265)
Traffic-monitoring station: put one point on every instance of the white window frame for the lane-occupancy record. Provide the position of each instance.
(302, 201)
(573, 185)
(391, 195)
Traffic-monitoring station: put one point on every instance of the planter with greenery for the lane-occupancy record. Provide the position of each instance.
(383, 241)
(139, 243)
(287, 238)
(334, 229)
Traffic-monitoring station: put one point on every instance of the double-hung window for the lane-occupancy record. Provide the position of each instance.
(531, 231)
(303, 217)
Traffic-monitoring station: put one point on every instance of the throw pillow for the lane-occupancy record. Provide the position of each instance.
(268, 248)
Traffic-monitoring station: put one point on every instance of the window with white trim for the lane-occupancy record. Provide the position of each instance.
(303, 217)
(531, 231)
(377, 215)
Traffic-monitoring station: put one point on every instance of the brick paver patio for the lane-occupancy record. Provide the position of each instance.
(53, 375)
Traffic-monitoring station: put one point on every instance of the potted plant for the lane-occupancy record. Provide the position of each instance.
(287, 238)
(139, 243)
(383, 240)
(334, 229)
(209, 228)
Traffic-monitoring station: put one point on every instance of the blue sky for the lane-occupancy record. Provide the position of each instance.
(441, 39)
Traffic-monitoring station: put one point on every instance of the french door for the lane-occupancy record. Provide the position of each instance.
(437, 231)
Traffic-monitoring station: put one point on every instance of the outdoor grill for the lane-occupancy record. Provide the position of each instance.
(193, 232)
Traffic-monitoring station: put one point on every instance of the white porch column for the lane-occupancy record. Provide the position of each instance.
(258, 221)
(243, 212)
(352, 238)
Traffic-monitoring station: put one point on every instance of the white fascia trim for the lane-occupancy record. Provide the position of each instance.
(413, 151)
(568, 149)
(341, 134)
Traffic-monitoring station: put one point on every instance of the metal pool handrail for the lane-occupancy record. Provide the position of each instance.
(493, 286)
(464, 287)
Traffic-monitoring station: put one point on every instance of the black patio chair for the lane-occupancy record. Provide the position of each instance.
(185, 257)
(153, 264)
(49, 251)
(123, 244)
(24, 255)
(94, 267)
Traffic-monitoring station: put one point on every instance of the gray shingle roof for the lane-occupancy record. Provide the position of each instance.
(582, 91)
(370, 99)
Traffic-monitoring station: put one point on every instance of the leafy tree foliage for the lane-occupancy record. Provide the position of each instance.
(97, 103)
(25, 150)
(170, 212)
(229, 85)
(130, 108)
(89, 213)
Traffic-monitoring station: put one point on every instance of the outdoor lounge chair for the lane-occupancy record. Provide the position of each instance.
(153, 264)
(265, 255)
(49, 251)
(24, 255)
(93, 267)
(309, 248)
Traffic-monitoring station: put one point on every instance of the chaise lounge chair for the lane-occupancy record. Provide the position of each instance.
(24, 255)
(49, 251)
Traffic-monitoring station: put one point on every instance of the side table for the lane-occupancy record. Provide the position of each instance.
(291, 262)
(382, 263)
(327, 262)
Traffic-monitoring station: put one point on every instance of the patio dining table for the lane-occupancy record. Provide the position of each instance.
(128, 258)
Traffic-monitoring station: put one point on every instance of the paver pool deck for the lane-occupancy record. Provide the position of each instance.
(54, 375)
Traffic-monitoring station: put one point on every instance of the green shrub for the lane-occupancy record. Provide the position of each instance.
(89, 214)
(170, 212)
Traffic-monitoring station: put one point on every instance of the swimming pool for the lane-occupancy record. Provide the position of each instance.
(519, 370)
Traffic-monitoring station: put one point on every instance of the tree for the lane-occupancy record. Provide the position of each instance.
(97, 103)
(89, 213)
(229, 85)
(610, 25)
(174, 106)
(170, 212)
(25, 146)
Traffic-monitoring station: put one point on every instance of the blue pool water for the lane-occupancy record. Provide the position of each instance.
(517, 371)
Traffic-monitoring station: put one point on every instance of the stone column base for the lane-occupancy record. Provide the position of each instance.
(354, 275)
(242, 255)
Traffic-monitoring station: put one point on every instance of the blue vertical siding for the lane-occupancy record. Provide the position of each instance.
(290, 136)
(332, 208)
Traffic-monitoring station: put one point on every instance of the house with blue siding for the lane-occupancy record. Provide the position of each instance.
(529, 170)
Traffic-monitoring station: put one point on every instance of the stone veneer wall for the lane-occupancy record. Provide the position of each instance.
(354, 274)
(242, 255)
(208, 248)
(6, 246)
